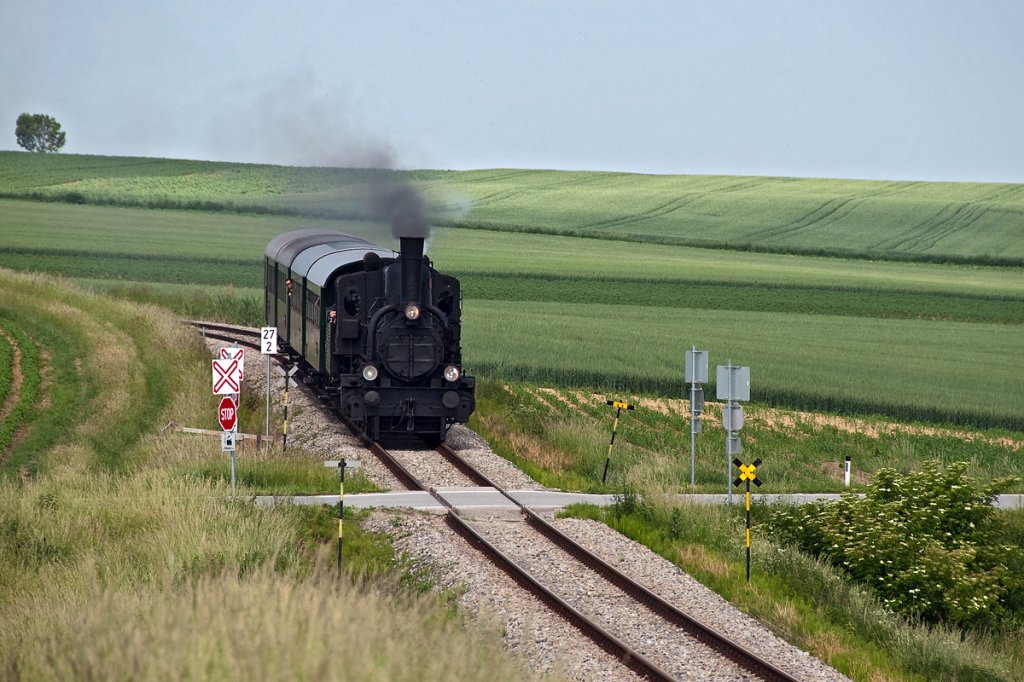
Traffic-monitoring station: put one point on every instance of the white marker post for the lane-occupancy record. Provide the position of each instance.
(268, 346)
(846, 475)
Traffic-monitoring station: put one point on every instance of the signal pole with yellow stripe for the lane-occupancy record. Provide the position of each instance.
(619, 407)
(342, 464)
(747, 473)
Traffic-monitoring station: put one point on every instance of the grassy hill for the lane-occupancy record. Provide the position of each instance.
(943, 222)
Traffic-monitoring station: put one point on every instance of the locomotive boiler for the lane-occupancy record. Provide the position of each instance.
(378, 331)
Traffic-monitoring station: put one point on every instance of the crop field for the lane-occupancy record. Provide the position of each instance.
(965, 222)
(910, 340)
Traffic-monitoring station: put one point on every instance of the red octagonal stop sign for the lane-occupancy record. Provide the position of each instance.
(226, 413)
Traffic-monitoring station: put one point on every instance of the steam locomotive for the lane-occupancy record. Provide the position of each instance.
(378, 331)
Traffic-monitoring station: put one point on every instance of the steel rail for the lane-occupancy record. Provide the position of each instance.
(597, 634)
(705, 634)
(226, 333)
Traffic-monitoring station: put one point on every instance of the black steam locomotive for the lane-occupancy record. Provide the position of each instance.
(378, 331)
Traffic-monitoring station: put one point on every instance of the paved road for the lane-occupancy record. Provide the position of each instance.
(489, 498)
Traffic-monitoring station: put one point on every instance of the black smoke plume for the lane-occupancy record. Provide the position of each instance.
(400, 205)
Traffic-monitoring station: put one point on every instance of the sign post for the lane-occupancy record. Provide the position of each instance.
(268, 346)
(227, 382)
(696, 374)
(284, 382)
(748, 474)
(227, 415)
(619, 407)
(342, 464)
(732, 384)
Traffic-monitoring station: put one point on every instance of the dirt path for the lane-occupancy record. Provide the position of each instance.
(783, 419)
(18, 378)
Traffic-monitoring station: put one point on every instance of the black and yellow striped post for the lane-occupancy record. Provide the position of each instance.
(342, 464)
(341, 510)
(619, 407)
(747, 474)
(284, 435)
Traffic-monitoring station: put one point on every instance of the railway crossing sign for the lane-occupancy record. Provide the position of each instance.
(235, 354)
(285, 374)
(227, 376)
(227, 415)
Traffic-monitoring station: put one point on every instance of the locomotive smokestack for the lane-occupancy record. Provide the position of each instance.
(411, 257)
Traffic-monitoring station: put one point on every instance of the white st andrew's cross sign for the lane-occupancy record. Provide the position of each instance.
(227, 376)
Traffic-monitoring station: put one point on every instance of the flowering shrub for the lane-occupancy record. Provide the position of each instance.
(927, 542)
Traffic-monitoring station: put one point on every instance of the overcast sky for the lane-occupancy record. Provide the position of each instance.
(870, 89)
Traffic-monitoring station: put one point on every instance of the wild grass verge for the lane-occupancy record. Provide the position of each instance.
(125, 555)
(806, 601)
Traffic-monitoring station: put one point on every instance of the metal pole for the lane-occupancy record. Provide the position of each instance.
(268, 400)
(693, 419)
(234, 430)
(341, 510)
(284, 436)
(608, 458)
(748, 530)
(728, 440)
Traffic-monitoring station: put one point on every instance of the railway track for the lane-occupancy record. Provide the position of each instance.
(690, 632)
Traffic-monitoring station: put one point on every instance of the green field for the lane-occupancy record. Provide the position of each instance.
(912, 340)
(966, 222)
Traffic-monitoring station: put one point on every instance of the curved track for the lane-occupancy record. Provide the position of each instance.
(629, 656)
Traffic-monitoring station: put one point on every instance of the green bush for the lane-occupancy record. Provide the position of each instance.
(927, 542)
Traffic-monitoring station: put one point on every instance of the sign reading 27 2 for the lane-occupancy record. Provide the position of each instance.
(268, 340)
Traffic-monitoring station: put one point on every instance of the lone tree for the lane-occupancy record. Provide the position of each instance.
(39, 133)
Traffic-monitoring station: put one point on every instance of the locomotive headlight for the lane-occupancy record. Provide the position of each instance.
(412, 311)
(452, 373)
(369, 372)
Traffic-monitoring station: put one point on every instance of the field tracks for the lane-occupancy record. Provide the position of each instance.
(925, 235)
(13, 390)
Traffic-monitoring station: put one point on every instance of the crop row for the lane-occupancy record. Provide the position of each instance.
(910, 370)
(91, 230)
(513, 286)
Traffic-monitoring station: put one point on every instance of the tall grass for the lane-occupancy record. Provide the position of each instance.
(124, 558)
(227, 626)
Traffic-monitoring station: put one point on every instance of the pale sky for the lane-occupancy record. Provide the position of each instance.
(868, 89)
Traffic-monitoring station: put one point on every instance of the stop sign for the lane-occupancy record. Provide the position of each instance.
(226, 413)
